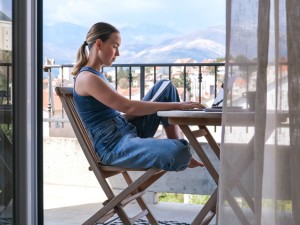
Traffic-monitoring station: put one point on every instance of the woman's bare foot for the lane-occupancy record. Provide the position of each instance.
(195, 163)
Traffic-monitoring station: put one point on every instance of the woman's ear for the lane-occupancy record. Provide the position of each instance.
(98, 44)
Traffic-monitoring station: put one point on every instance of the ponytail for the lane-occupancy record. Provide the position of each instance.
(81, 59)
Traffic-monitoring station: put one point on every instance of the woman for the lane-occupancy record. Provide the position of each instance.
(117, 141)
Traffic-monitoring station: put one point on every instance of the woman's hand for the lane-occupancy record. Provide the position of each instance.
(191, 105)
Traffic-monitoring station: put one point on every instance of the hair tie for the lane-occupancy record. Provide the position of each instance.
(85, 43)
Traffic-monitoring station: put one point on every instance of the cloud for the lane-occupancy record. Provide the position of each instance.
(83, 12)
(176, 14)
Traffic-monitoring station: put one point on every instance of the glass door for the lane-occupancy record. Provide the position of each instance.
(21, 190)
(6, 125)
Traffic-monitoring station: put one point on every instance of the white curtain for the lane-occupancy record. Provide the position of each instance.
(260, 150)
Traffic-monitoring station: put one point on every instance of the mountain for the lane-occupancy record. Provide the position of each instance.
(62, 40)
(199, 45)
(141, 44)
(143, 36)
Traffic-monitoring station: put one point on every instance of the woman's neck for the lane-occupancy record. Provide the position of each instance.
(94, 64)
(98, 68)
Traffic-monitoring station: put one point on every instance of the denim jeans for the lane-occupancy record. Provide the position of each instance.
(131, 144)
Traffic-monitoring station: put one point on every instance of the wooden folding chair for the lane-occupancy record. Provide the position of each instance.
(116, 202)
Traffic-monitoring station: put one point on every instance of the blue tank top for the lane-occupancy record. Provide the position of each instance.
(91, 111)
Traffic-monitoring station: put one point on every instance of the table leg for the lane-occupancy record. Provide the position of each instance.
(208, 211)
(211, 141)
(199, 150)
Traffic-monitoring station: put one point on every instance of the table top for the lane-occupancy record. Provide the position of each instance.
(189, 113)
(192, 117)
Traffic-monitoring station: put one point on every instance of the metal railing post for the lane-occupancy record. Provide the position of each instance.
(142, 82)
(200, 83)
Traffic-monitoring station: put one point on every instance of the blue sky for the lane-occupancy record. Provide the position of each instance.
(6, 7)
(187, 15)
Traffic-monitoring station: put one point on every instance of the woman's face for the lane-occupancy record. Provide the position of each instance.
(109, 50)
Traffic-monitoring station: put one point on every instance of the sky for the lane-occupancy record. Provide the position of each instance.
(6, 7)
(187, 15)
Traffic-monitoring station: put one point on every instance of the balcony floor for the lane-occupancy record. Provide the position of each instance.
(171, 213)
(72, 193)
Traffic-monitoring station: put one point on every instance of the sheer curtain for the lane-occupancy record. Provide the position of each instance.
(260, 149)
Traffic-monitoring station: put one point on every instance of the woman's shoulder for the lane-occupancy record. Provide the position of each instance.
(86, 76)
(84, 81)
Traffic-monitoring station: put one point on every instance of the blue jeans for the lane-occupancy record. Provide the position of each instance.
(147, 125)
(131, 144)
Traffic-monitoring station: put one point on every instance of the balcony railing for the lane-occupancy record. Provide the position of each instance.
(195, 81)
(5, 83)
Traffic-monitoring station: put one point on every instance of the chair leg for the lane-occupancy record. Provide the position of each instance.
(123, 216)
(116, 201)
(140, 200)
(99, 218)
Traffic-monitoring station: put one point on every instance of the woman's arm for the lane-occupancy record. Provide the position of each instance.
(89, 84)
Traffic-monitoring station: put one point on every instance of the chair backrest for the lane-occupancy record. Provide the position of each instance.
(66, 96)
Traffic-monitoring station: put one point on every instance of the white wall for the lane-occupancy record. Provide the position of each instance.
(67, 180)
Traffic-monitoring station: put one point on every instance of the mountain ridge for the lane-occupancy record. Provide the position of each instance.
(140, 44)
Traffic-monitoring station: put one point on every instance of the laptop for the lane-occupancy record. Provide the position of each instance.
(217, 103)
(216, 106)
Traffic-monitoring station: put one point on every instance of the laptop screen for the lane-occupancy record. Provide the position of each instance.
(219, 98)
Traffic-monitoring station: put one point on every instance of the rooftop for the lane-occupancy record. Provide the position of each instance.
(4, 17)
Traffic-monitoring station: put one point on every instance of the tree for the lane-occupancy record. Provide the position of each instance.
(246, 65)
(217, 60)
(5, 56)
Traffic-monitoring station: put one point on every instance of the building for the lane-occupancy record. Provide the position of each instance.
(6, 32)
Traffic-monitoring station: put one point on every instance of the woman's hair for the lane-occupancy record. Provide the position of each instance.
(100, 31)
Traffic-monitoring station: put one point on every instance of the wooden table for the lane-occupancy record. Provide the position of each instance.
(201, 119)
